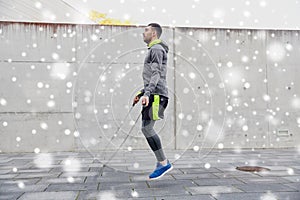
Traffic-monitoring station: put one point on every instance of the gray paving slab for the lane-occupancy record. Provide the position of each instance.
(274, 173)
(109, 177)
(56, 187)
(170, 183)
(115, 194)
(128, 186)
(213, 190)
(33, 171)
(288, 195)
(263, 180)
(62, 180)
(10, 196)
(296, 166)
(144, 177)
(263, 187)
(78, 174)
(232, 174)
(234, 196)
(186, 197)
(89, 195)
(36, 175)
(95, 168)
(56, 169)
(4, 171)
(5, 160)
(15, 162)
(199, 170)
(16, 181)
(260, 196)
(295, 185)
(106, 195)
(22, 188)
(7, 176)
(193, 176)
(70, 195)
(167, 190)
(217, 181)
(292, 178)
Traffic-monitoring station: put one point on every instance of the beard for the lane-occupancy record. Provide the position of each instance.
(146, 40)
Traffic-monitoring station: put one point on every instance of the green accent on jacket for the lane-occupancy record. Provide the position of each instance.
(157, 41)
(155, 107)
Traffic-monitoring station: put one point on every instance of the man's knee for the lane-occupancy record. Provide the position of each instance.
(144, 129)
(148, 131)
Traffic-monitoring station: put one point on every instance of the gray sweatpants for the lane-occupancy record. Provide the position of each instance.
(153, 139)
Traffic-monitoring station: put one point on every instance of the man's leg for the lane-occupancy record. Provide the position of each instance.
(163, 166)
(153, 139)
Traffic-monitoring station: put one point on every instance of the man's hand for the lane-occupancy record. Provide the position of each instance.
(145, 100)
(135, 100)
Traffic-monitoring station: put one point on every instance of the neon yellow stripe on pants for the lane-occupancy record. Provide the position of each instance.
(155, 107)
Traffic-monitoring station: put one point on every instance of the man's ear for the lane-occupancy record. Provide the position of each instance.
(154, 33)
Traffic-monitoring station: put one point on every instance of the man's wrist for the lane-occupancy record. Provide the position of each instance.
(147, 93)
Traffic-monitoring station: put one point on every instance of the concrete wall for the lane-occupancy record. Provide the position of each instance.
(68, 87)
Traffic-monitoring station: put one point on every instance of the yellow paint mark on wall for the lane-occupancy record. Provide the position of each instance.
(101, 18)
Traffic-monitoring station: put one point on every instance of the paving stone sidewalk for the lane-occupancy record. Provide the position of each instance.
(203, 175)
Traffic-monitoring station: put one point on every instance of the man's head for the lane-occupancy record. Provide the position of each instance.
(152, 31)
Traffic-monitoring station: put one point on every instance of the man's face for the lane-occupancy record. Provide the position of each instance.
(148, 34)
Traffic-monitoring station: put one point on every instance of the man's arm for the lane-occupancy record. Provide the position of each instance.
(156, 56)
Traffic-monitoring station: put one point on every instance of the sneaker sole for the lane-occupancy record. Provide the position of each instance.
(161, 174)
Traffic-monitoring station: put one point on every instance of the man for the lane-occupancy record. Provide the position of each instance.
(154, 96)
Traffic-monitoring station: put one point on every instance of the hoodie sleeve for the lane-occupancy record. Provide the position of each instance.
(156, 56)
(140, 93)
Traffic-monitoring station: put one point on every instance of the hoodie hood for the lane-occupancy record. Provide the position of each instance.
(162, 43)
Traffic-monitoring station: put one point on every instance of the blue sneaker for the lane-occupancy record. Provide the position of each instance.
(160, 170)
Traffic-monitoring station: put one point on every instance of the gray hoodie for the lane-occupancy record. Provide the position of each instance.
(155, 69)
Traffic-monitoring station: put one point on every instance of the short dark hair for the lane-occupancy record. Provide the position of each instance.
(157, 28)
